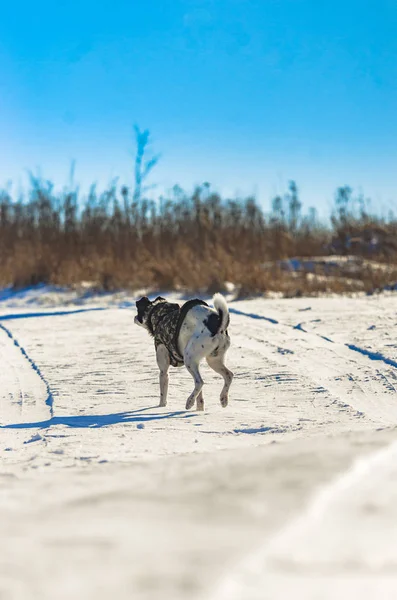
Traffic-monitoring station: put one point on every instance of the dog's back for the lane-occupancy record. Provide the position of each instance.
(205, 324)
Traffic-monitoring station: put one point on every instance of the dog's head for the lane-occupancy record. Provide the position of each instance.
(143, 307)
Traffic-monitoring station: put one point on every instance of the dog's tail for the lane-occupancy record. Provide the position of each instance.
(220, 306)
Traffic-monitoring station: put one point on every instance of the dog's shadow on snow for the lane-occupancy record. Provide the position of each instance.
(95, 421)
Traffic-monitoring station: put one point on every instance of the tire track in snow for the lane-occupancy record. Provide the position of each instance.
(367, 353)
(372, 355)
(353, 381)
(48, 313)
(49, 401)
(241, 313)
(326, 378)
(376, 356)
(19, 400)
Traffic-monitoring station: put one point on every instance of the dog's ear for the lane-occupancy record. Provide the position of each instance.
(159, 299)
(144, 301)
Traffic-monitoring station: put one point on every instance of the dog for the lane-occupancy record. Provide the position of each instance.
(184, 335)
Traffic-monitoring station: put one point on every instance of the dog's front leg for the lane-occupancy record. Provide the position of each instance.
(163, 361)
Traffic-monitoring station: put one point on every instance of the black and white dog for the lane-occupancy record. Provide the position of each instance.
(184, 335)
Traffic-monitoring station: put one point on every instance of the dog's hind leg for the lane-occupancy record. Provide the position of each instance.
(216, 363)
(200, 402)
(163, 361)
(193, 368)
(192, 355)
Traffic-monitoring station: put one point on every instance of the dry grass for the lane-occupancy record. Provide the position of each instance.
(197, 243)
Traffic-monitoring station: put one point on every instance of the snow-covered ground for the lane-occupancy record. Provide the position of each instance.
(289, 492)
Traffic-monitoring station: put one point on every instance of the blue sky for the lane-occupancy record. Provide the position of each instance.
(244, 94)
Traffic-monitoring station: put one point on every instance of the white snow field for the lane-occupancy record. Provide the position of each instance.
(289, 492)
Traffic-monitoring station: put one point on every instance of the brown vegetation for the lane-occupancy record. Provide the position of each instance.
(119, 239)
(196, 242)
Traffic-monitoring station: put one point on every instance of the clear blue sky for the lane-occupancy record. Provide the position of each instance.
(244, 94)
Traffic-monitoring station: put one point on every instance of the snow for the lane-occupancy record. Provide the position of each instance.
(288, 492)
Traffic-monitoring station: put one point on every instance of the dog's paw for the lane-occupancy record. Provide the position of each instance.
(200, 402)
(190, 402)
(162, 404)
(224, 401)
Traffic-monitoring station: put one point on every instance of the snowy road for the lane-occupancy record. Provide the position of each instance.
(291, 490)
